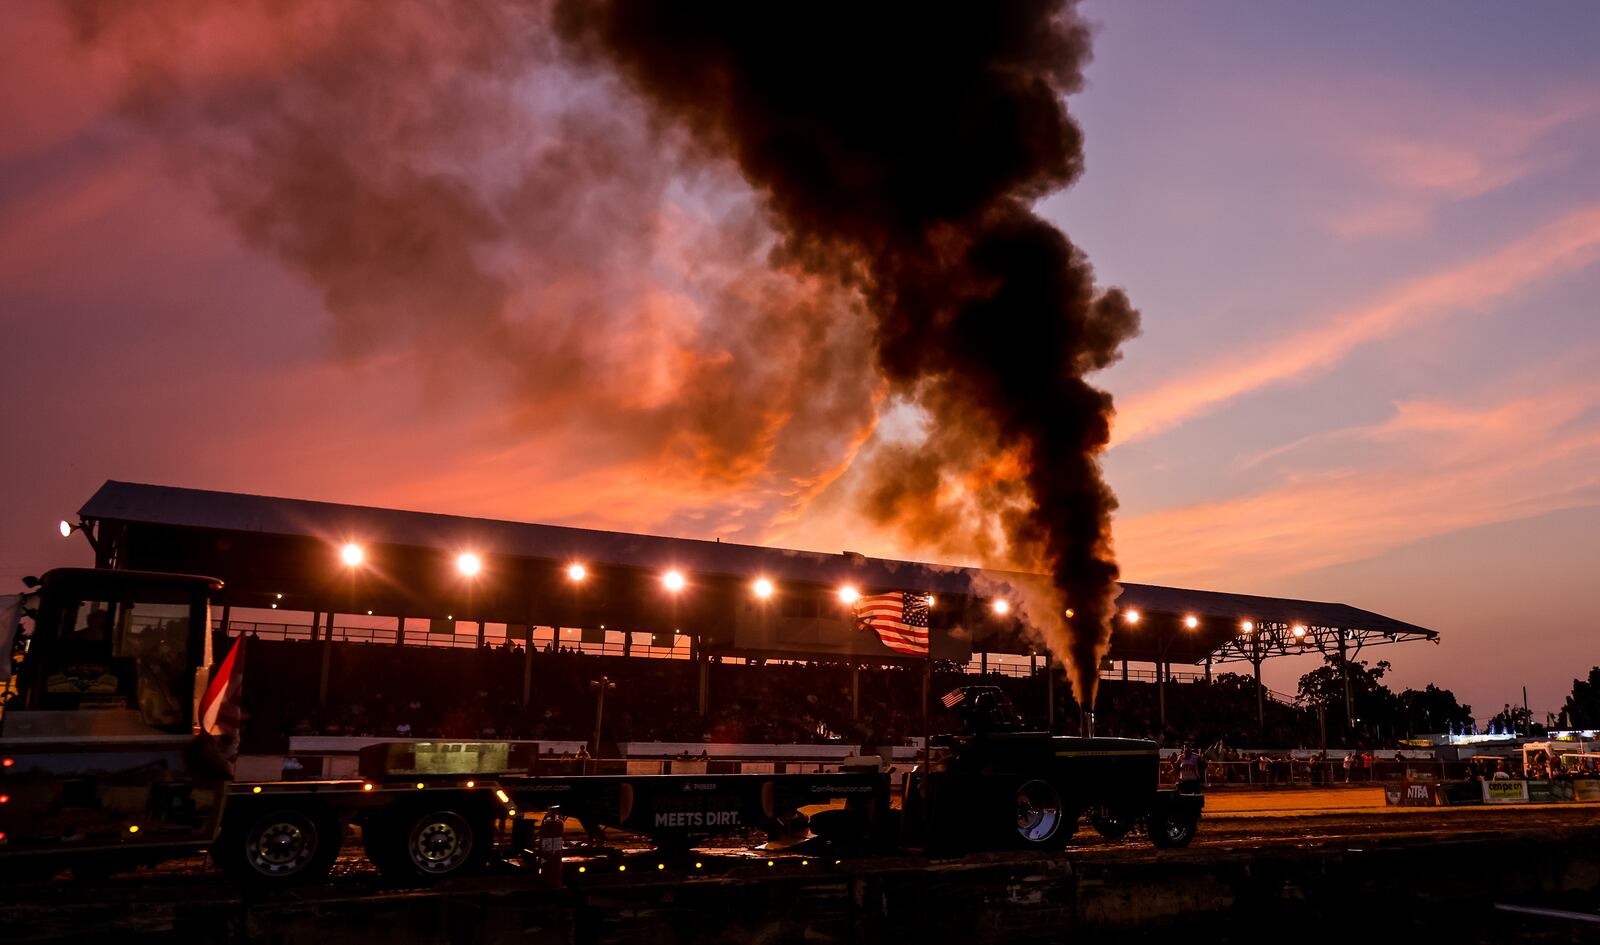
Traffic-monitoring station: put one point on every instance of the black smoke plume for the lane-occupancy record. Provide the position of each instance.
(899, 149)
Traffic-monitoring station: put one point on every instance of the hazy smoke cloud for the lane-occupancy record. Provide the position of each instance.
(899, 150)
(454, 190)
(720, 235)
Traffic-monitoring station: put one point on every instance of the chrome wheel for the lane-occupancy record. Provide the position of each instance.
(440, 842)
(1039, 812)
(281, 844)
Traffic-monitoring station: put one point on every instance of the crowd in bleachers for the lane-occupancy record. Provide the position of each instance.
(379, 690)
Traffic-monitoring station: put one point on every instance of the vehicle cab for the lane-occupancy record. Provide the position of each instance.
(99, 746)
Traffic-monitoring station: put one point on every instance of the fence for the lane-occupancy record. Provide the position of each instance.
(680, 651)
(1281, 771)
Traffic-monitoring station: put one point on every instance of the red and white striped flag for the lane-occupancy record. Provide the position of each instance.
(221, 708)
(900, 620)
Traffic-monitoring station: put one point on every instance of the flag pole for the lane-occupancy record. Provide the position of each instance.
(927, 690)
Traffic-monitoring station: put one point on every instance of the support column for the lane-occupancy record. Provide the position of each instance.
(327, 662)
(983, 662)
(399, 631)
(1208, 668)
(1344, 676)
(1050, 693)
(1261, 694)
(480, 634)
(705, 686)
(316, 624)
(1161, 698)
(855, 692)
(527, 671)
(1124, 670)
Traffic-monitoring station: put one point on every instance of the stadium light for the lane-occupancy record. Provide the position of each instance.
(1191, 621)
(1071, 613)
(65, 528)
(1001, 606)
(1131, 616)
(762, 588)
(673, 581)
(1246, 626)
(352, 554)
(576, 572)
(469, 564)
(849, 594)
(1299, 631)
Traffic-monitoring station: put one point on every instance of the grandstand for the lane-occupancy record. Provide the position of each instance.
(516, 619)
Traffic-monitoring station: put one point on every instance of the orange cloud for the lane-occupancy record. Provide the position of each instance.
(1567, 244)
(1446, 468)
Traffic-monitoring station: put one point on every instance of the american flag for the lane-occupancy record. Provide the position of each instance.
(900, 619)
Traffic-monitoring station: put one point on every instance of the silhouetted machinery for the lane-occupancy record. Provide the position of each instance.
(106, 763)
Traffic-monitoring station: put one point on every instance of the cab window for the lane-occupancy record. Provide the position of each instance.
(120, 655)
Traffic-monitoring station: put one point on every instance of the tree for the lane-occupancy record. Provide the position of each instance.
(1432, 710)
(1376, 709)
(1583, 706)
(1514, 718)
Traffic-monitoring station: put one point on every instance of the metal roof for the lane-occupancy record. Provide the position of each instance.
(1159, 634)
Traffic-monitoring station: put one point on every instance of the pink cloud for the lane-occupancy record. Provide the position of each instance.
(1567, 244)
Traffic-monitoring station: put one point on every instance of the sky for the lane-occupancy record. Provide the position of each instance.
(1365, 241)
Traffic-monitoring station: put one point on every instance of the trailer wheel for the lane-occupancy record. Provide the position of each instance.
(1042, 820)
(280, 846)
(428, 844)
(1170, 831)
(1113, 825)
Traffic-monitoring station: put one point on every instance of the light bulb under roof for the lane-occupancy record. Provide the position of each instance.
(576, 572)
(1191, 621)
(352, 554)
(468, 563)
(849, 594)
(1001, 606)
(1131, 616)
(673, 580)
(762, 588)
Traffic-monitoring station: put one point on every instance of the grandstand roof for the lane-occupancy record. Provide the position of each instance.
(269, 549)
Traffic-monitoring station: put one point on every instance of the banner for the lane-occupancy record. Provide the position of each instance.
(516, 631)
(1505, 792)
(1411, 794)
(436, 625)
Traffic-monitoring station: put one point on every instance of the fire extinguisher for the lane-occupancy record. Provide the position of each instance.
(551, 829)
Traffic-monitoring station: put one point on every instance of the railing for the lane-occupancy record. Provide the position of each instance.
(1321, 773)
(682, 651)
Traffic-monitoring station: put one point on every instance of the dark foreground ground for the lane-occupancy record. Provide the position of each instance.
(1283, 867)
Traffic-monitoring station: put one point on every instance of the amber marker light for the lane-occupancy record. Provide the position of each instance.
(762, 588)
(472, 784)
(367, 786)
(133, 828)
(256, 789)
(849, 594)
(1191, 622)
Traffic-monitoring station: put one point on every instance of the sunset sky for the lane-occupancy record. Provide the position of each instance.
(1365, 240)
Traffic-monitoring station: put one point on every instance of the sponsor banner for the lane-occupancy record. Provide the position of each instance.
(1411, 794)
(1549, 792)
(1505, 792)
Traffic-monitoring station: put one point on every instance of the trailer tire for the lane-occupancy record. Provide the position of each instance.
(1043, 821)
(1170, 830)
(279, 845)
(429, 843)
